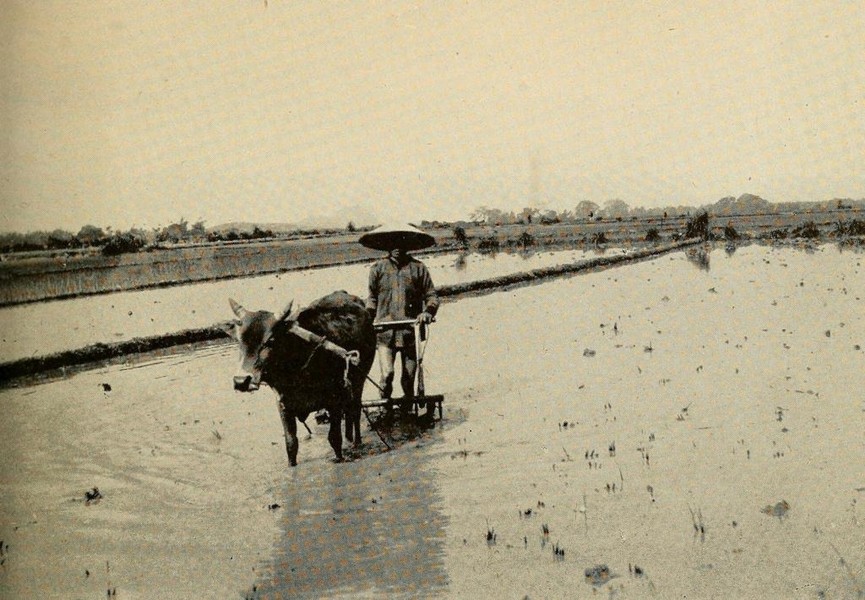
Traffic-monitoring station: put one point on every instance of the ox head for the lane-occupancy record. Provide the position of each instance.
(253, 331)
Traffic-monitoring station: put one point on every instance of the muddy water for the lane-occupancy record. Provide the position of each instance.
(39, 329)
(706, 390)
(694, 421)
(179, 517)
(197, 498)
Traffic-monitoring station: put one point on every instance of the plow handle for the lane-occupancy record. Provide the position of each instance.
(419, 358)
(400, 324)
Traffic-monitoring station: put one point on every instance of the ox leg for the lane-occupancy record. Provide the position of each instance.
(352, 413)
(289, 424)
(352, 419)
(349, 424)
(352, 425)
(355, 409)
(334, 434)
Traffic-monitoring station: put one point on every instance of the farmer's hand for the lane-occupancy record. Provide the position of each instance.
(425, 318)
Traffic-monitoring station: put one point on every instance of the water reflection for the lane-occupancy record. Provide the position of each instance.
(851, 245)
(370, 527)
(460, 261)
(698, 257)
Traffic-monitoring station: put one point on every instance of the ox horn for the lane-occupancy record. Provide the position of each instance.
(237, 308)
(286, 314)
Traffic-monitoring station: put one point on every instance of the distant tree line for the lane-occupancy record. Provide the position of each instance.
(113, 242)
(59, 239)
(585, 210)
(619, 209)
(110, 241)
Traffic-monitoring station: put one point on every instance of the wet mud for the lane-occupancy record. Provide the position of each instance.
(372, 527)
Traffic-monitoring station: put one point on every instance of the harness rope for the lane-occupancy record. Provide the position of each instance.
(312, 353)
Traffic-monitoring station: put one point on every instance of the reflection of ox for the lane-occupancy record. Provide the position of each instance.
(305, 357)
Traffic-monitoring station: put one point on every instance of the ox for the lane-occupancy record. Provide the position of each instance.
(303, 357)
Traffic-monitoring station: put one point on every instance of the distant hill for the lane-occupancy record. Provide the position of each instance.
(245, 227)
(358, 215)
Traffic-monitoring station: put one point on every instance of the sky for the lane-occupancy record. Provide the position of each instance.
(137, 114)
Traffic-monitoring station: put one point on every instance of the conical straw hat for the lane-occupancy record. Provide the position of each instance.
(387, 237)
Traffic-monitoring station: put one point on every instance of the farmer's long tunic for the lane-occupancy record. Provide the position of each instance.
(399, 292)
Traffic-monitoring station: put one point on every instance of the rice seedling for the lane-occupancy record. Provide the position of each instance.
(491, 535)
(697, 521)
(598, 575)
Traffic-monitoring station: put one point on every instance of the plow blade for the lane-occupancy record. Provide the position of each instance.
(390, 403)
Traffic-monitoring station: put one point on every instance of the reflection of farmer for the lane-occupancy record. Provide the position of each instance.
(400, 288)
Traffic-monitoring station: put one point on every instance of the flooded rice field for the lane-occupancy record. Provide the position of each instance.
(45, 328)
(689, 426)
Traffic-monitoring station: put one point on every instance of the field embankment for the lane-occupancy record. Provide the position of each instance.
(107, 352)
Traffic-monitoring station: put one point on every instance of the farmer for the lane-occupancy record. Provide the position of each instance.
(400, 288)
